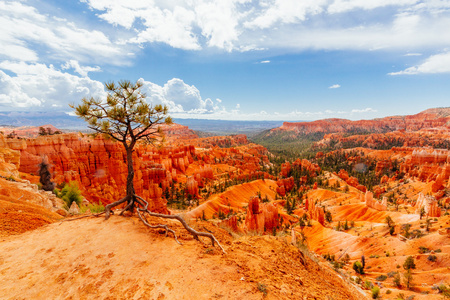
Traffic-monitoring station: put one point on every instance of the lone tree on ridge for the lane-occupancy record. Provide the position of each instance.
(126, 117)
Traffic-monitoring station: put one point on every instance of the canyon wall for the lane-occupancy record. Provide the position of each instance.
(427, 119)
(99, 165)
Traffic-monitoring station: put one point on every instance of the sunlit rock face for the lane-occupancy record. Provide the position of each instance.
(429, 204)
(9, 158)
(374, 203)
(261, 217)
(315, 212)
(100, 167)
(431, 118)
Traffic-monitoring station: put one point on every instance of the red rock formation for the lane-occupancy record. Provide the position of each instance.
(192, 187)
(438, 184)
(384, 179)
(382, 165)
(426, 119)
(9, 159)
(343, 174)
(285, 185)
(285, 169)
(315, 212)
(27, 131)
(99, 165)
(429, 203)
(305, 164)
(352, 181)
(374, 203)
(261, 217)
(231, 223)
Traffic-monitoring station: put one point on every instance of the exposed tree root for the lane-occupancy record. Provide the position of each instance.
(179, 218)
(108, 207)
(142, 209)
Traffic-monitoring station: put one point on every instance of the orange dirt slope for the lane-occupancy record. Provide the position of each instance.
(122, 259)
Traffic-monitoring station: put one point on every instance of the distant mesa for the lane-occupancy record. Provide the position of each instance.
(430, 118)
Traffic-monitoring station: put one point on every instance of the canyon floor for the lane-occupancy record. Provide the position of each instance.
(120, 258)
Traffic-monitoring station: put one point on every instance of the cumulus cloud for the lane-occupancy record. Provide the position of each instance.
(178, 96)
(439, 63)
(334, 86)
(39, 85)
(245, 25)
(233, 25)
(82, 70)
(27, 35)
(285, 12)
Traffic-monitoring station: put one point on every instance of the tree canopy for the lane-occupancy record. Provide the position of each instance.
(124, 115)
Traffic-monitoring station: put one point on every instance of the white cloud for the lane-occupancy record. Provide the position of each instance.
(340, 6)
(238, 106)
(439, 63)
(178, 96)
(233, 25)
(365, 110)
(285, 12)
(413, 54)
(27, 35)
(83, 71)
(334, 86)
(39, 85)
(265, 61)
(245, 25)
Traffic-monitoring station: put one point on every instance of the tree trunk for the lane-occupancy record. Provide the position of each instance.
(130, 196)
(130, 177)
(130, 184)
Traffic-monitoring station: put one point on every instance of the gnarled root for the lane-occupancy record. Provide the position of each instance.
(192, 231)
(108, 207)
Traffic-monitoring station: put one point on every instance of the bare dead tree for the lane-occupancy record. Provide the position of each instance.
(126, 117)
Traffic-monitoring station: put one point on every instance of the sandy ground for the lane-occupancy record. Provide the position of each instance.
(122, 259)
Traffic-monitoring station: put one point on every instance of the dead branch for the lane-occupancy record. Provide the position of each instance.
(179, 218)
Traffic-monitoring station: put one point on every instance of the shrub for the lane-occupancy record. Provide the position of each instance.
(445, 290)
(368, 284)
(357, 266)
(423, 249)
(391, 230)
(432, 258)
(396, 280)
(346, 258)
(388, 292)
(375, 292)
(262, 288)
(95, 208)
(391, 274)
(381, 278)
(337, 265)
(70, 193)
(409, 263)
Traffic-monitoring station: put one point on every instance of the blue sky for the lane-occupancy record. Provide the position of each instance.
(231, 59)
